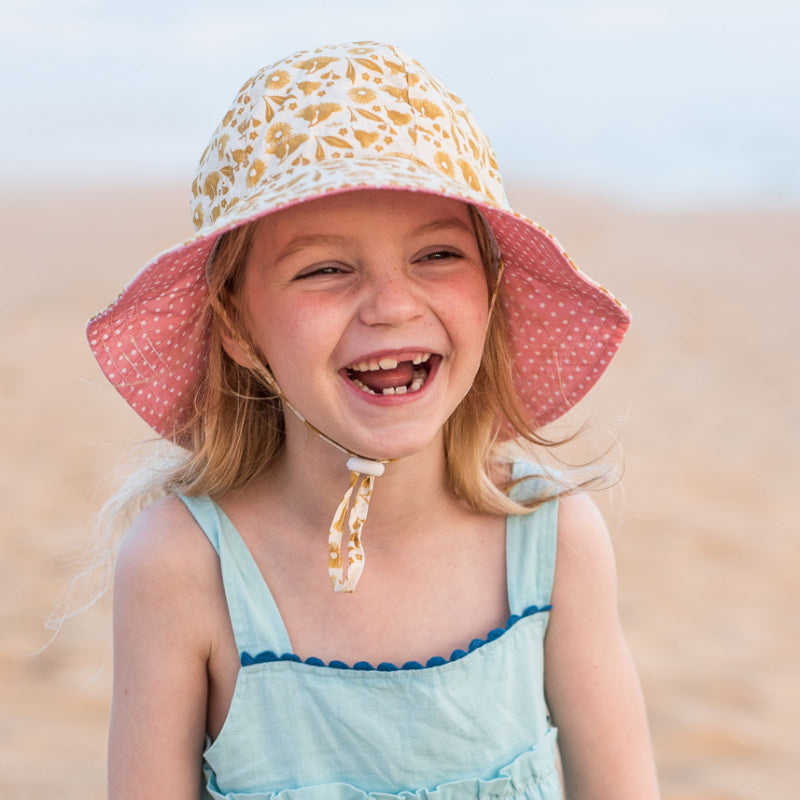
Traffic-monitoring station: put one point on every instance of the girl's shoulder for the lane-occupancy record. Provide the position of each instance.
(580, 520)
(584, 594)
(166, 534)
(584, 545)
(164, 557)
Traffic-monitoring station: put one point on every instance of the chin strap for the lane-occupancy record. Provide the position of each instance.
(362, 475)
(363, 472)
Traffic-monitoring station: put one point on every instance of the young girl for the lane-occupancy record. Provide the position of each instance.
(359, 300)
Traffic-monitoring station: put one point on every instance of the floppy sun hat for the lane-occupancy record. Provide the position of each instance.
(354, 116)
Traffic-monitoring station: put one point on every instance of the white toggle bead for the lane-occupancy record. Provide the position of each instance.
(365, 466)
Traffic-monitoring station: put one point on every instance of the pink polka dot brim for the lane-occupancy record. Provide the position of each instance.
(565, 328)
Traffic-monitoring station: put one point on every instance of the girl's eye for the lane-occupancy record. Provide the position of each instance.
(440, 255)
(322, 270)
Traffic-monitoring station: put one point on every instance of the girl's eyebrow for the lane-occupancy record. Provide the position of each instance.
(328, 239)
(310, 240)
(448, 223)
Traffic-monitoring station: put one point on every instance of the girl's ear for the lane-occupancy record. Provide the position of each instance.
(233, 343)
(234, 347)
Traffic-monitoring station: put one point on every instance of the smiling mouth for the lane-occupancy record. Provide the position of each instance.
(388, 376)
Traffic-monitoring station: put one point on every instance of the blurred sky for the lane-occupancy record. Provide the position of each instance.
(658, 101)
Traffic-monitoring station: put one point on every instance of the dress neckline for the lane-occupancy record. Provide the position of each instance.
(270, 656)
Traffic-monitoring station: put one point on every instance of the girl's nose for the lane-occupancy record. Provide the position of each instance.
(391, 298)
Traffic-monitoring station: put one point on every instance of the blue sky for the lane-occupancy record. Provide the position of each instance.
(655, 100)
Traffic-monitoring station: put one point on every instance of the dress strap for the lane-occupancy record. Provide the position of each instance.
(531, 543)
(256, 620)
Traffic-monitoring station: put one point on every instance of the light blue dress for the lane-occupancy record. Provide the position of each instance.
(473, 725)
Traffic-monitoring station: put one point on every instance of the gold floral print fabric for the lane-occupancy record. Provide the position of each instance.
(362, 485)
(363, 104)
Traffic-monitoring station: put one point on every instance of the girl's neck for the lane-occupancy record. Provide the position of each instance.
(312, 476)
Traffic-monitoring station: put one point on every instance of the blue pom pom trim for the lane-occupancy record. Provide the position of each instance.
(268, 656)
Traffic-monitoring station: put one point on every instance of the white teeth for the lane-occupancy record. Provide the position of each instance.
(362, 386)
(374, 366)
(386, 363)
(418, 381)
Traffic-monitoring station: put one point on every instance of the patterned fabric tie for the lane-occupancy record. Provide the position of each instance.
(362, 475)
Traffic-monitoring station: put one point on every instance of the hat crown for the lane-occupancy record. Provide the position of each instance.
(333, 118)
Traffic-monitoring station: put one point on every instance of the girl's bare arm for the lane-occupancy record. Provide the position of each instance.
(592, 687)
(161, 650)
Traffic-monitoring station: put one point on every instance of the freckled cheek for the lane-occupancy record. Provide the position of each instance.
(300, 337)
(468, 319)
(471, 304)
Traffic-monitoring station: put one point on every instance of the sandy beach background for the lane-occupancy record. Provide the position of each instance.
(703, 396)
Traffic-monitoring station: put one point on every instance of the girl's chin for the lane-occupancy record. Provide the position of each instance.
(395, 446)
(357, 436)
(393, 451)
(366, 428)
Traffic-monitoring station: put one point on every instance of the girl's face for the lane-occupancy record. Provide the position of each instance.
(370, 308)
